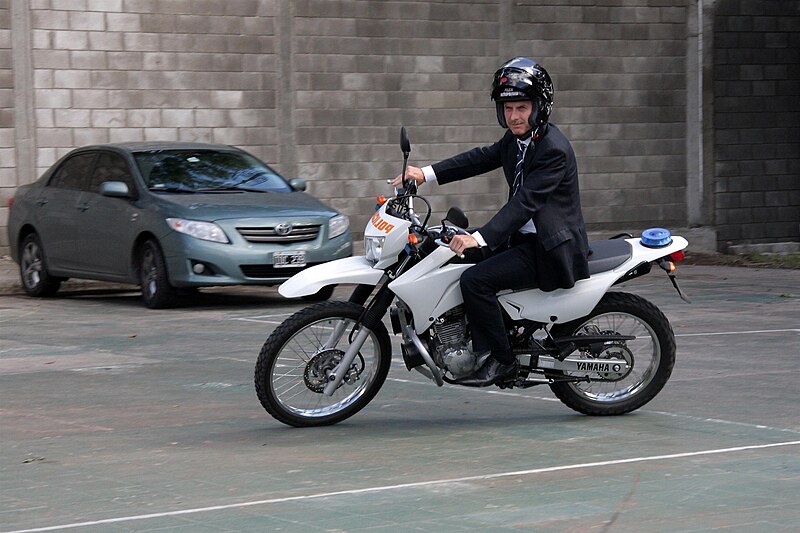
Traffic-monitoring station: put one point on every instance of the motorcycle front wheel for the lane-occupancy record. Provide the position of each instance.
(651, 356)
(296, 360)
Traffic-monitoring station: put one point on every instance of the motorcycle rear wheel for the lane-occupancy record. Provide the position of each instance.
(292, 367)
(651, 354)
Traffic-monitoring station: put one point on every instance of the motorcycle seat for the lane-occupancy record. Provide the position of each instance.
(607, 254)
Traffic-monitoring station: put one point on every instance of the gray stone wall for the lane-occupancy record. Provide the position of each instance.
(320, 88)
(8, 176)
(113, 71)
(757, 104)
(620, 76)
(363, 69)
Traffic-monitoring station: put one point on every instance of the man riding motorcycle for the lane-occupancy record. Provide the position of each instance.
(538, 238)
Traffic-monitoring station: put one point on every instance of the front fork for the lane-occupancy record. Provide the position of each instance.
(372, 315)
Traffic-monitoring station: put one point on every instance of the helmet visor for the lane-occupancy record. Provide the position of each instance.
(512, 85)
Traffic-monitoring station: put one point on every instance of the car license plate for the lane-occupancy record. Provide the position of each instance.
(288, 259)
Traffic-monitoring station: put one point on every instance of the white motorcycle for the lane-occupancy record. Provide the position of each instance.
(601, 352)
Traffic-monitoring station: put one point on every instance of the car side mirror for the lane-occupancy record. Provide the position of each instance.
(115, 189)
(298, 184)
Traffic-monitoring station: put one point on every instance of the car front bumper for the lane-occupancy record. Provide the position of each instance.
(240, 263)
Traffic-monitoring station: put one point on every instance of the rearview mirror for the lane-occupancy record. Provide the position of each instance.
(405, 144)
(457, 217)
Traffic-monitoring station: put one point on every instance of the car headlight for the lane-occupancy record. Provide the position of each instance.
(337, 225)
(207, 231)
(373, 248)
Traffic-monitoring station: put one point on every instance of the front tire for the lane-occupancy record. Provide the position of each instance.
(651, 354)
(36, 280)
(292, 367)
(157, 292)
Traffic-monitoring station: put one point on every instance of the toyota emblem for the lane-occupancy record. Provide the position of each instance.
(283, 229)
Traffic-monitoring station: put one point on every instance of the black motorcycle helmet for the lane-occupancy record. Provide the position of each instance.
(523, 79)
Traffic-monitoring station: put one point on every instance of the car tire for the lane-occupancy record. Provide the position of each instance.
(35, 279)
(321, 295)
(157, 292)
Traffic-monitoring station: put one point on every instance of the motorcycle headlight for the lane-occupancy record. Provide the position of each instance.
(373, 248)
(337, 225)
(207, 231)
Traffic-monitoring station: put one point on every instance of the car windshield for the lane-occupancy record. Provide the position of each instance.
(206, 170)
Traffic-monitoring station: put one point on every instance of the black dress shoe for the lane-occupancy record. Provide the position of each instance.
(490, 373)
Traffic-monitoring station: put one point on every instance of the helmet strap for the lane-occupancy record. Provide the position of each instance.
(525, 135)
(534, 114)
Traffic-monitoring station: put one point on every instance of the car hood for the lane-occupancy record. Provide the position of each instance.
(228, 205)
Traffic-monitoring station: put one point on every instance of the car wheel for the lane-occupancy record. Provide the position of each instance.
(36, 280)
(157, 293)
(321, 295)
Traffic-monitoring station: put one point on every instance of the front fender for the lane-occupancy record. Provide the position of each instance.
(356, 270)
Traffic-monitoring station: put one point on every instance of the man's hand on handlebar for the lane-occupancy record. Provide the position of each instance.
(460, 243)
(412, 173)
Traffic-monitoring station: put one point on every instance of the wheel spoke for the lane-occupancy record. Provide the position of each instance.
(644, 357)
(311, 346)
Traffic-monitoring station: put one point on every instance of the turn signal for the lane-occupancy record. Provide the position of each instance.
(413, 239)
(671, 266)
(381, 199)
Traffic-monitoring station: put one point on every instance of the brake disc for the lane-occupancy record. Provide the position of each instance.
(616, 351)
(319, 368)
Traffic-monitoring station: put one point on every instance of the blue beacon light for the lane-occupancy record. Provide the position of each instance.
(656, 238)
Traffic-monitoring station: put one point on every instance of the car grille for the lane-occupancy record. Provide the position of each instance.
(299, 233)
(269, 271)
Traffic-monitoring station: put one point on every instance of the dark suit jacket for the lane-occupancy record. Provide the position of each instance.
(549, 195)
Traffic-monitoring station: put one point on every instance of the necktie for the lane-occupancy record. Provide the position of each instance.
(521, 147)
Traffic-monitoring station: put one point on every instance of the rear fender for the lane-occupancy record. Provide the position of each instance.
(356, 270)
(563, 305)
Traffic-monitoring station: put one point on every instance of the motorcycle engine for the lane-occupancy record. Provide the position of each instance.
(449, 343)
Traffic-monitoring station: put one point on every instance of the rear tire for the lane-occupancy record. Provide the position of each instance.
(652, 356)
(36, 280)
(157, 292)
(290, 373)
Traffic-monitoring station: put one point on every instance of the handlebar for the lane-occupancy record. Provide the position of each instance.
(401, 206)
(445, 236)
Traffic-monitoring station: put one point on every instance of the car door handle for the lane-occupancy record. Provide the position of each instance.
(83, 207)
(41, 202)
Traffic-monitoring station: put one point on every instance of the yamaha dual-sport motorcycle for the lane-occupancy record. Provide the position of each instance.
(601, 352)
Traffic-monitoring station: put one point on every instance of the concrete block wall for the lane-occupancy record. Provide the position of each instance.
(757, 118)
(8, 176)
(320, 88)
(113, 71)
(363, 69)
(620, 75)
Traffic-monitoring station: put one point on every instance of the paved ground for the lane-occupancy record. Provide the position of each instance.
(118, 418)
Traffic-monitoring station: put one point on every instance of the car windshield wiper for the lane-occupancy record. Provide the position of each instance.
(228, 188)
(221, 188)
(165, 188)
